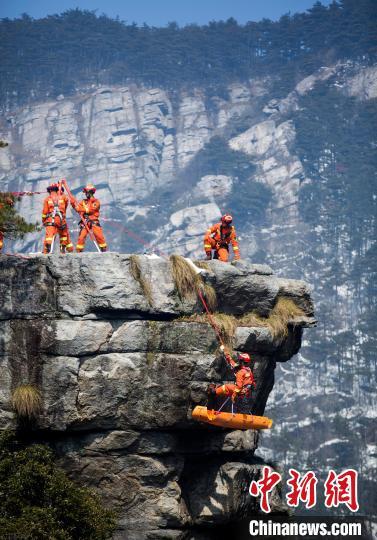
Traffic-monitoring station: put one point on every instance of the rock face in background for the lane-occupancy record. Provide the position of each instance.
(135, 143)
(129, 141)
(120, 374)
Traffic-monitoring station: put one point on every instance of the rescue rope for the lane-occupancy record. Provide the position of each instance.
(211, 319)
(15, 255)
(153, 248)
(133, 235)
(22, 193)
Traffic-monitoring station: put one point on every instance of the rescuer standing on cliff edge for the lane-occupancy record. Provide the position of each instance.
(89, 209)
(54, 219)
(219, 237)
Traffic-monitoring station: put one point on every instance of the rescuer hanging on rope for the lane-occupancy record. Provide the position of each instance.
(89, 210)
(244, 379)
(54, 219)
(219, 237)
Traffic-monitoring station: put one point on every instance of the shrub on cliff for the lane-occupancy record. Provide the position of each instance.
(38, 500)
(11, 223)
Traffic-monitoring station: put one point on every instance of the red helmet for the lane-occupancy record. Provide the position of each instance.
(244, 357)
(89, 188)
(227, 219)
(53, 187)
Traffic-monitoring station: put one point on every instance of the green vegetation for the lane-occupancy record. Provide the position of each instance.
(11, 224)
(249, 197)
(59, 53)
(39, 502)
(336, 141)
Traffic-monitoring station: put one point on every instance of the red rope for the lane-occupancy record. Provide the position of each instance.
(15, 255)
(211, 319)
(21, 193)
(133, 235)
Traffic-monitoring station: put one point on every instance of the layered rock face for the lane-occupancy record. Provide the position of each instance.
(130, 141)
(121, 370)
(84, 138)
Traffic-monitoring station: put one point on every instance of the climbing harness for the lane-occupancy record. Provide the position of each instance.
(53, 214)
(83, 220)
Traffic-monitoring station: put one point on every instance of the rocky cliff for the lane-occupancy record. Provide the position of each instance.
(142, 146)
(121, 359)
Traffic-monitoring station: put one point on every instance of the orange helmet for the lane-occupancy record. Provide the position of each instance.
(89, 187)
(53, 187)
(227, 219)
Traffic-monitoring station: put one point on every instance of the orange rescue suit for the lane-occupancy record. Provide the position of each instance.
(218, 238)
(89, 209)
(244, 381)
(54, 219)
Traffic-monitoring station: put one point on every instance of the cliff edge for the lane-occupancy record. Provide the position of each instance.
(121, 357)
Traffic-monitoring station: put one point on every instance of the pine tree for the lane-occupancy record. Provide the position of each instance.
(12, 225)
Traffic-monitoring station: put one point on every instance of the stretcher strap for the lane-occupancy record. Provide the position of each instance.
(223, 405)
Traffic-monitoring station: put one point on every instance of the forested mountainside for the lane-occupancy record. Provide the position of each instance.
(62, 53)
(274, 122)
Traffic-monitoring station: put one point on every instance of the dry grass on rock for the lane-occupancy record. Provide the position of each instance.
(135, 270)
(27, 401)
(185, 278)
(203, 265)
(284, 311)
(189, 283)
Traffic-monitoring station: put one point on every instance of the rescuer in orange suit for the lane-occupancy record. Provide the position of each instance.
(54, 219)
(89, 210)
(219, 237)
(244, 379)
